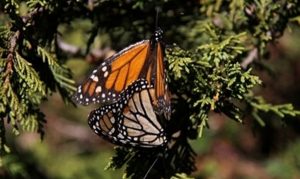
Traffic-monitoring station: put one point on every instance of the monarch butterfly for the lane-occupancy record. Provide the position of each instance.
(132, 120)
(142, 60)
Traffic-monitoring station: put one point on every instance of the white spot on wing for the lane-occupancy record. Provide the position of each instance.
(95, 78)
(106, 74)
(112, 120)
(104, 68)
(112, 130)
(98, 89)
(120, 136)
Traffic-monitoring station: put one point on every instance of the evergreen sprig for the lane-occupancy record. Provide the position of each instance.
(24, 60)
(35, 87)
(61, 74)
(214, 76)
(181, 176)
(257, 106)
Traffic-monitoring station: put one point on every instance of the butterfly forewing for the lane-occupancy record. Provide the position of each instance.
(116, 73)
(142, 60)
(132, 120)
(161, 88)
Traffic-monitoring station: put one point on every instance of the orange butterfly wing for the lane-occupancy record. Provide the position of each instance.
(142, 60)
(161, 87)
(116, 73)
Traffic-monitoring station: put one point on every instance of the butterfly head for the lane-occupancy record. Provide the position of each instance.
(158, 34)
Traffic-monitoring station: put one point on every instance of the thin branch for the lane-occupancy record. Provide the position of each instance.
(13, 45)
(252, 55)
(97, 55)
(94, 56)
(11, 51)
(68, 48)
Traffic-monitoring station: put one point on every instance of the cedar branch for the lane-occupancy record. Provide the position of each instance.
(11, 51)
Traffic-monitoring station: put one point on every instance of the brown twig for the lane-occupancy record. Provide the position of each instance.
(94, 56)
(11, 51)
(13, 42)
(252, 55)
(68, 48)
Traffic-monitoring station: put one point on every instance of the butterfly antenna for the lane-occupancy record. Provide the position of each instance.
(158, 10)
(151, 167)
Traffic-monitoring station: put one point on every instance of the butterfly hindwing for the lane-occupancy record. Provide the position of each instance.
(130, 121)
(140, 121)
